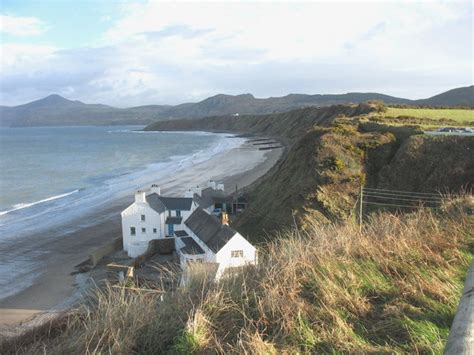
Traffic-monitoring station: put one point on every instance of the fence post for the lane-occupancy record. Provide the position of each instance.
(360, 207)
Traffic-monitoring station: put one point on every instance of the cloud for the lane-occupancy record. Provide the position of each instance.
(20, 57)
(21, 26)
(174, 52)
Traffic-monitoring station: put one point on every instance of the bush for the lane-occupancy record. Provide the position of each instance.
(338, 165)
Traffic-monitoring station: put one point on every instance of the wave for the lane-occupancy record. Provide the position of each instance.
(21, 206)
(195, 133)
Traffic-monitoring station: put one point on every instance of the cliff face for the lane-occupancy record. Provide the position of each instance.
(430, 163)
(319, 179)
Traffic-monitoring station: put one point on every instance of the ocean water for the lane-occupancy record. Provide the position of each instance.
(50, 176)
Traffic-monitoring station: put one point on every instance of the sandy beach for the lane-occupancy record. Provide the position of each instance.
(56, 288)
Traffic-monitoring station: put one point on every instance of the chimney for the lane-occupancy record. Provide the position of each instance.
(140, 197)
(155, 189)
(220, 187)
(197, 190)
(211, 184)
(225, 219)
(189, 193)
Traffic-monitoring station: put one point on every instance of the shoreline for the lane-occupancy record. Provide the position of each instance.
(57, 289)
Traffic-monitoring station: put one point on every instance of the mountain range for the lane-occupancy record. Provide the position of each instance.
(55, 110)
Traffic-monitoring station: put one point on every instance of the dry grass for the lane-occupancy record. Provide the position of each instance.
(392, 287)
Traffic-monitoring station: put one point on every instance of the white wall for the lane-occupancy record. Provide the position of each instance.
(184, 258)
(225, 259)
(131, 217)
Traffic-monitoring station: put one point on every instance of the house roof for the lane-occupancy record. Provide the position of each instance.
(209, 229)
(191, 247)
(210, 196)
(162, 203)
(155, 202)
(181, 234)
(174, 220)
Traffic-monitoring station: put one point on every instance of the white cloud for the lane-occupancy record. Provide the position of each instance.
(21, 26)
(176, 52)
(22, 56)
(280, 31)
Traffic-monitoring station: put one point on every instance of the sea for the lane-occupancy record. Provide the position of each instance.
(50, 176)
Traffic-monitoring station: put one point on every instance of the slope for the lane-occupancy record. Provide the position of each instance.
(463, 96)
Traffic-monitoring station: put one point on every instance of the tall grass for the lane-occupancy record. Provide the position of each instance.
(391, 287)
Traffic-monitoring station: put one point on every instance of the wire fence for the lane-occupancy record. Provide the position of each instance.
(399, 199)
(371, 198)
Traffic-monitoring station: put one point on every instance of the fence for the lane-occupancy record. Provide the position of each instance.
(396, 199)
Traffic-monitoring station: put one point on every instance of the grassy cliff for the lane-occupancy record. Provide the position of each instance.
(319, 179)
(332, 152)
(321, 175)
(289, 125)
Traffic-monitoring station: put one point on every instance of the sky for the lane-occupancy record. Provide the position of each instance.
(130, 53)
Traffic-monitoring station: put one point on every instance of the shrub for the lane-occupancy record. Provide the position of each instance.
(338, 165)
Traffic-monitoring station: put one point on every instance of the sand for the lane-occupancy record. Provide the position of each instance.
(57, 289)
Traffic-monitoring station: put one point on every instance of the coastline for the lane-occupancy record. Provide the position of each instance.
(57, 288)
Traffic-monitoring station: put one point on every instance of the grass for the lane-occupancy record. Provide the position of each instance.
(391, 288)
(458, 115)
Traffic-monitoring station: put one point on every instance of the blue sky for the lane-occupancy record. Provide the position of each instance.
(67, 24)
(128, 53)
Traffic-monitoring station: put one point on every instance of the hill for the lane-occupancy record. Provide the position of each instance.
(56, 110)
(455, 97)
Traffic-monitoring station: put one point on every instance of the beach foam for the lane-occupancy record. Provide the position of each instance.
(20, 206)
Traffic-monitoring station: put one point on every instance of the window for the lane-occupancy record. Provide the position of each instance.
(132, 231)
(237, 253)
(143, 218)
(178, 213)
(154, 230)
(143, 230)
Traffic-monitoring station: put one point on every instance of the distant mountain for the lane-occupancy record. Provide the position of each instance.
(248, 104)
(455, 97)
(55, 110)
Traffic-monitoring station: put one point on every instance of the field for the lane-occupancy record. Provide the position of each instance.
(457, 115)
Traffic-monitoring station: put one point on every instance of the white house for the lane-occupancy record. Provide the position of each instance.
(199, 235)
(206, 240)
(152, 216)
